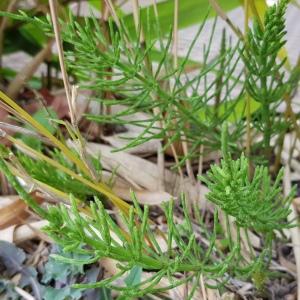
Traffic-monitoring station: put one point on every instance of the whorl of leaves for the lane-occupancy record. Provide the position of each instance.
(265, 78)
(254, 203)
(116, 69)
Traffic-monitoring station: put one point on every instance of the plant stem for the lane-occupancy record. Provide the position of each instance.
(175, 65)
(267, 130)
(54, 18)
(248, 111)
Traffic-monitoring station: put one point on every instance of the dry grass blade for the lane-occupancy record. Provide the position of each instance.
(27, 118)
(100, 187)
(11, 213)
(222, 14)
(15, 211)
(25, 295)
(54, 18)
(156, 111)
(24, 116)
(175, 63)
(18, 129)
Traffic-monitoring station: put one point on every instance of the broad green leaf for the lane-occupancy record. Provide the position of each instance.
(16, 41)
(33, 33)
(190, 12)
(238, 112)
(43, 116)
(105, 294)
(63, 293)
(134, 276)
(57, 270)
(96, 4)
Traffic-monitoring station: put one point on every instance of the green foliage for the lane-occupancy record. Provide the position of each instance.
(177, 100)
(266, 81)
(256, 203)
(43, 116)
(14, 261)
(134, 253)
(54, 269)
(63, 273)
(134, 276)
(17, 186)
(265, 77)
(46, 173)
(122, 69)
(63, 293)
(33, 33)
(179, 108)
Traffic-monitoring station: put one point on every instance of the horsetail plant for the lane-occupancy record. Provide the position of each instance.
(217, 88)
(179, 101)
(266, 80)
(254, 204)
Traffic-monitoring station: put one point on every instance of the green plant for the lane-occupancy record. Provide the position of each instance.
(120, 70)
(254, 204)
(63, 275)
(74, 160)
(40, 170)
(170, 97)
(266, 80)
(177, 110)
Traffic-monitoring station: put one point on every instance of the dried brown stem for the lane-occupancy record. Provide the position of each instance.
(27, 72)
(54, 18)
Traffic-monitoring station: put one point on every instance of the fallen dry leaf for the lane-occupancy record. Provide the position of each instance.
(296, 203)
(12, 213)
(18, 234)
(287, 264)
(13, 210)
(141, 173)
